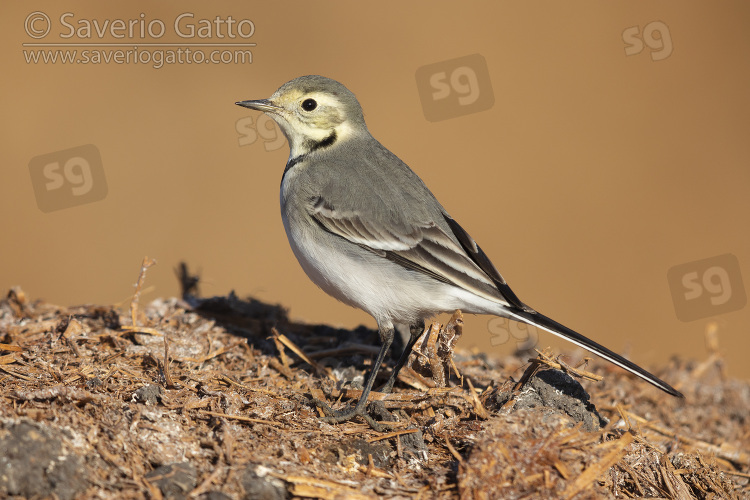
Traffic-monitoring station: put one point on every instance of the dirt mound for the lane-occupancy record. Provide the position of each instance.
(211, 398)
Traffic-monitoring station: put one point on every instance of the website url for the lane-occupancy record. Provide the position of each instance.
(157, 58)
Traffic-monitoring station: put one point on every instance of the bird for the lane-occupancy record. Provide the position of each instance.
(366, 229)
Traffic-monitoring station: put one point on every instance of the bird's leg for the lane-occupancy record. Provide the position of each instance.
(386, 337)
(415, 330)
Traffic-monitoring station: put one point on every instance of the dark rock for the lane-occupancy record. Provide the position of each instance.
(259, 485)
(215, 495)
(148, 394)
(35, 462)
(174, 480)
(557, 390)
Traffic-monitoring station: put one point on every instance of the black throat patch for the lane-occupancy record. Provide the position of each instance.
(311, 147)
(324, 143)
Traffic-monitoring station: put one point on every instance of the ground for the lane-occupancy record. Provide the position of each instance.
(212, 399)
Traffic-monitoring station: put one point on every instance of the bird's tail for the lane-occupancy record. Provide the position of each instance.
(541, 321)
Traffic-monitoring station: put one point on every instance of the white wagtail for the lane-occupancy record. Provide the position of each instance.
(366, 229)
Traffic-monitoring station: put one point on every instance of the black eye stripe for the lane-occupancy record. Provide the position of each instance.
(309, 104)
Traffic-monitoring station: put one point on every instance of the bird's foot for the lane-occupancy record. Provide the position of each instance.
(388, 387)
(337, 416)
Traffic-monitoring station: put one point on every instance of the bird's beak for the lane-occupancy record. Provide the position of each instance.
(261, 105)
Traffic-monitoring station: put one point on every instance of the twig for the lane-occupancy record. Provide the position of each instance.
(74, 327)
(280, 347)
(167, 376)
(210, 355)
(408, 376)
(284, 370)
(138, 285)
(478, 408)
(8, 359)
(558, 364)
(241, 418)
(453, 451)
(527, 374)
(391, 434)
(228, 380)
(206, 484)
(374, 471)
(588, 476)
(141, 329)
(136, 299)
(283, 339)
(16, 374)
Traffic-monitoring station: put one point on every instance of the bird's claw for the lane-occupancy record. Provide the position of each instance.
(337, 416)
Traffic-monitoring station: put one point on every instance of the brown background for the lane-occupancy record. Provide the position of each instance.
(592, 175)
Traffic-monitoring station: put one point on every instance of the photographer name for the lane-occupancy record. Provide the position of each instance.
(184, 25)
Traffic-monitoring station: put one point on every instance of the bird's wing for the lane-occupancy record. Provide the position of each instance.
(425, 247)
(480, 258)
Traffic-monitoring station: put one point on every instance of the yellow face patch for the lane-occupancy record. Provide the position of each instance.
(326, 115)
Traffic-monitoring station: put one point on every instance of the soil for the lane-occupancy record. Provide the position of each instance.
(212, 399)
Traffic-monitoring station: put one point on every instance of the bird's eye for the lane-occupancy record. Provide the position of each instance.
(309, 104)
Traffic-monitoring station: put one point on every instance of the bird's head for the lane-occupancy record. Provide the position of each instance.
(313, 112)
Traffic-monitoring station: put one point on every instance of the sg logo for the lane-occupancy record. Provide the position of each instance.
(264, 127)
(463, 81)
(502, 330)
(455, 87)
(707, 287)
(68, 178)
(661, 45)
